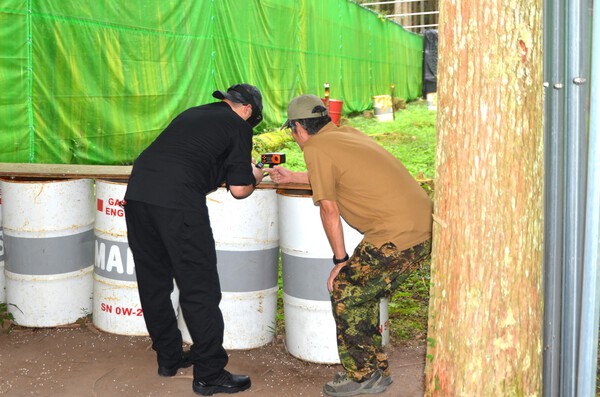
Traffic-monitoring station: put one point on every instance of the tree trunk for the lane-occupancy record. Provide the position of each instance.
(485, 313)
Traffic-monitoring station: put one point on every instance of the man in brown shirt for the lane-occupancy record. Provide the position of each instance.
(354, 178)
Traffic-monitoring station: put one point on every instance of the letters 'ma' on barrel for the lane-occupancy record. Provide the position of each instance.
(117, 307)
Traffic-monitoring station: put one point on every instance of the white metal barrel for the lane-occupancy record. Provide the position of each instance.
(306, 263)
(246, 235)
(2, 279)
(49, 250)
(117, 307)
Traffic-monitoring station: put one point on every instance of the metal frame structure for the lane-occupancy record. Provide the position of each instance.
(414, 15)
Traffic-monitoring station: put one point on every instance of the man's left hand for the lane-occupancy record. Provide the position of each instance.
(334, 272)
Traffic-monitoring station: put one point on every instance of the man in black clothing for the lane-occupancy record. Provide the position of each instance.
(169, 230)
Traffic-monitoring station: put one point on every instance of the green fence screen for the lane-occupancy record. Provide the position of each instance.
(94, 82)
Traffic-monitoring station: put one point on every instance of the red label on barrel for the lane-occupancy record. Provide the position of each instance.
(113, 207)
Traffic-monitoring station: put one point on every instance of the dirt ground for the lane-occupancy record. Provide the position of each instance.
(78, 360)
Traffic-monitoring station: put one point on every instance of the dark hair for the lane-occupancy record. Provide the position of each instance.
(314, 125)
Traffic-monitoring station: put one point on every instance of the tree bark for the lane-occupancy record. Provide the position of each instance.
(486, 306)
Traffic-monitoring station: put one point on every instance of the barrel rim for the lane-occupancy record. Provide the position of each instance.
(294, 192)
(37, 180)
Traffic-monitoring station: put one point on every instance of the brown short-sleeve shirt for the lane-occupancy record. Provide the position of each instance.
(374, 191)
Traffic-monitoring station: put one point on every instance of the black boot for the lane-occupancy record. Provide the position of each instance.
(225, 383)
(186, 361)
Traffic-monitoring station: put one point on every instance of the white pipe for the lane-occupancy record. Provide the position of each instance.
(413, 14)
(390, 2)
(420, 26)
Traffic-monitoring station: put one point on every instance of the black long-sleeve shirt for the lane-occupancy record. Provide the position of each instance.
(200, 149)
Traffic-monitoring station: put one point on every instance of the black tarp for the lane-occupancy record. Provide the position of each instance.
(430, 60)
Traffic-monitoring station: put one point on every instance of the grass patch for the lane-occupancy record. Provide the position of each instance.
(410, 138)
(409, 306)
(6, 316)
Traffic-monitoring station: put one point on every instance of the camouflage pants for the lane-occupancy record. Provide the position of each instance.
(371, 274)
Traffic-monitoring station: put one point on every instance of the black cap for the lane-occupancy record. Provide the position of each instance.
(244, 93)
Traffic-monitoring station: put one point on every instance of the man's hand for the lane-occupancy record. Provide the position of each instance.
(281, 174)
(334, 272)
(332, 224)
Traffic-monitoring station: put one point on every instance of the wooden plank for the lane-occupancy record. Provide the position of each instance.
(63, 171)
(110, 172)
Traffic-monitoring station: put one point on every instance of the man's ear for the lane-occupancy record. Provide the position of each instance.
(248, 109)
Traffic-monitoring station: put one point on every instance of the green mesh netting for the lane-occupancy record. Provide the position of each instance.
(94, 82)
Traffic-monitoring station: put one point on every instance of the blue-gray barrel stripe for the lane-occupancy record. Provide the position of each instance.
(246, 271)
(113, 260)
(49, 255)
(239, 271)
(305, 278)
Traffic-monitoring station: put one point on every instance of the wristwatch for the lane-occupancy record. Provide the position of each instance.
(337, 261)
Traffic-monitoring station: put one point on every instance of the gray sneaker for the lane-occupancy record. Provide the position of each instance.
(385, 380)
(342, 386)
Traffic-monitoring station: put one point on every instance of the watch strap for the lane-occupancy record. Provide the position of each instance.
(337, 261)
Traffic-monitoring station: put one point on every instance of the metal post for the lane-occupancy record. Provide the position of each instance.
(422, 12)
(554, 75)
(577, 101)
(392, 87)
(590, 305)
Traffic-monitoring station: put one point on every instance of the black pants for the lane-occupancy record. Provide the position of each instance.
(166, 244)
